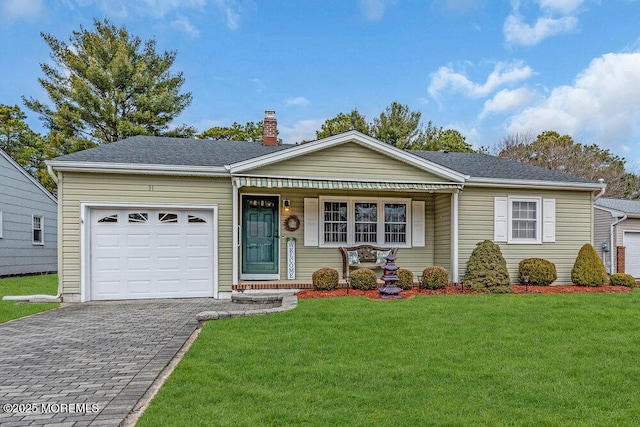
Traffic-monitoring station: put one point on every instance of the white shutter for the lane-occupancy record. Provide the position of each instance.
(548, 220)
(500, 219)
(310, 222)
(417, 224)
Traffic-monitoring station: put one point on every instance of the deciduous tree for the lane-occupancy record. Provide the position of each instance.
(559, 152)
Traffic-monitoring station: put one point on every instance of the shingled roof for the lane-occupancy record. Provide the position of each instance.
(153, 150)
(629, 207)
(150, 150)
(484, 166)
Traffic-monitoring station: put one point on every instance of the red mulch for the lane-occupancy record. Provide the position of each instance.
(456, 290)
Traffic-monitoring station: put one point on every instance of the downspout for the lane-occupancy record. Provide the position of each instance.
(612, 227)
(45, 297)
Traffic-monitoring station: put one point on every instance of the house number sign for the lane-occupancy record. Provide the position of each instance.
(291, 258)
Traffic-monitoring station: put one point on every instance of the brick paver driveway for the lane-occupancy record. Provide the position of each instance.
(88, 364)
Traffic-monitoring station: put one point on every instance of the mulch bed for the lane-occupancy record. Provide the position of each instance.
(457, 290)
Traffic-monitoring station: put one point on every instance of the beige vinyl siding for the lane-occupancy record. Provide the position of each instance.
(629, 224)
(347, 161)
(602, 234)
(76, 188)
(310, 258)
(574, 228)
(442, 226)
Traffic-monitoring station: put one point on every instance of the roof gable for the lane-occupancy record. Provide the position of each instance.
(348, 155)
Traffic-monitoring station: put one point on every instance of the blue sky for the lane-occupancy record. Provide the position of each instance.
(488, 68)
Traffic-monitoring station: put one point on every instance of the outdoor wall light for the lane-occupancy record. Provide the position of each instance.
(286, 204)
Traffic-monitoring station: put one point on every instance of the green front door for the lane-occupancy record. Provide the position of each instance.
(259, 236)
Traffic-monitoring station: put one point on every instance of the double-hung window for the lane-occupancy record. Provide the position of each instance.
(378, 221)
(38, 229)
(525, 220)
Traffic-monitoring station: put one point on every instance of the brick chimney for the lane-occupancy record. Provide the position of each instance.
(270, 128)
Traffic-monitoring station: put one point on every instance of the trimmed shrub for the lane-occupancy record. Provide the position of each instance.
(622, 279)
(363, 279)
(487, 269)
(325, 279)
(588, 270)
(540, 271)
(435, 277)
(406, 279)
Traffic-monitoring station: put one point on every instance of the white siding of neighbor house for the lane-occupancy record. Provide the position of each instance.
(574, 228)
(20, 199)
(76, 188)
(629, 224)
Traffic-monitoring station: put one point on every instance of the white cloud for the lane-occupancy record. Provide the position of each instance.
(507, 100)
(11, 10)
(503, 73)
(600, 107)
(557, 17)
(183, 24)
(518, 32)
(374, 9)
(565, 7)
(302, 130)
(300, 101)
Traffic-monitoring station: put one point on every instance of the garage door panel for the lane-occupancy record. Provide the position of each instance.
(632, 253)
(157, 253)
(198, 241)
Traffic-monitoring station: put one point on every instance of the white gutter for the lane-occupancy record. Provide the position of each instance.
(127, 168)
(525, 183)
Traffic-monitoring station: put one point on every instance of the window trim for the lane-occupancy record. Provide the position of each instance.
(529, 199)
(1, 224)
(41, 229)
(351, 201)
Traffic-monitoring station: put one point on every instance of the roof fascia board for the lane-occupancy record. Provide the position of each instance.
(614, 213)
(526, 183)
(28, 176)
(351, 136)
(127, 168)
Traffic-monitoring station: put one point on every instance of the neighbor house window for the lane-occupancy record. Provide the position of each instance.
(356, 221)
(525, 220)
(38, 230)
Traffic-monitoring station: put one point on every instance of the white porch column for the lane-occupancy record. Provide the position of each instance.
(454, 237)
(235, 212)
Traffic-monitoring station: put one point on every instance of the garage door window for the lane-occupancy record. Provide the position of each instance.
(109, 219)
(139, 217)
(196, 220)
(167, 218)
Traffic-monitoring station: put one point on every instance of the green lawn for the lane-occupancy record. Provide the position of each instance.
(28, 285)
(570, 359)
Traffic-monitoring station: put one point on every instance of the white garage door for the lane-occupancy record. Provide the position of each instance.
(151, 253)
(632, 253)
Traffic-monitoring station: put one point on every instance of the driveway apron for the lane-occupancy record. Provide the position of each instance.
(88, 364)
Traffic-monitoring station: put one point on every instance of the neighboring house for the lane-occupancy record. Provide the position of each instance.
(617, 234)
(151, 217)
(28, 222)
